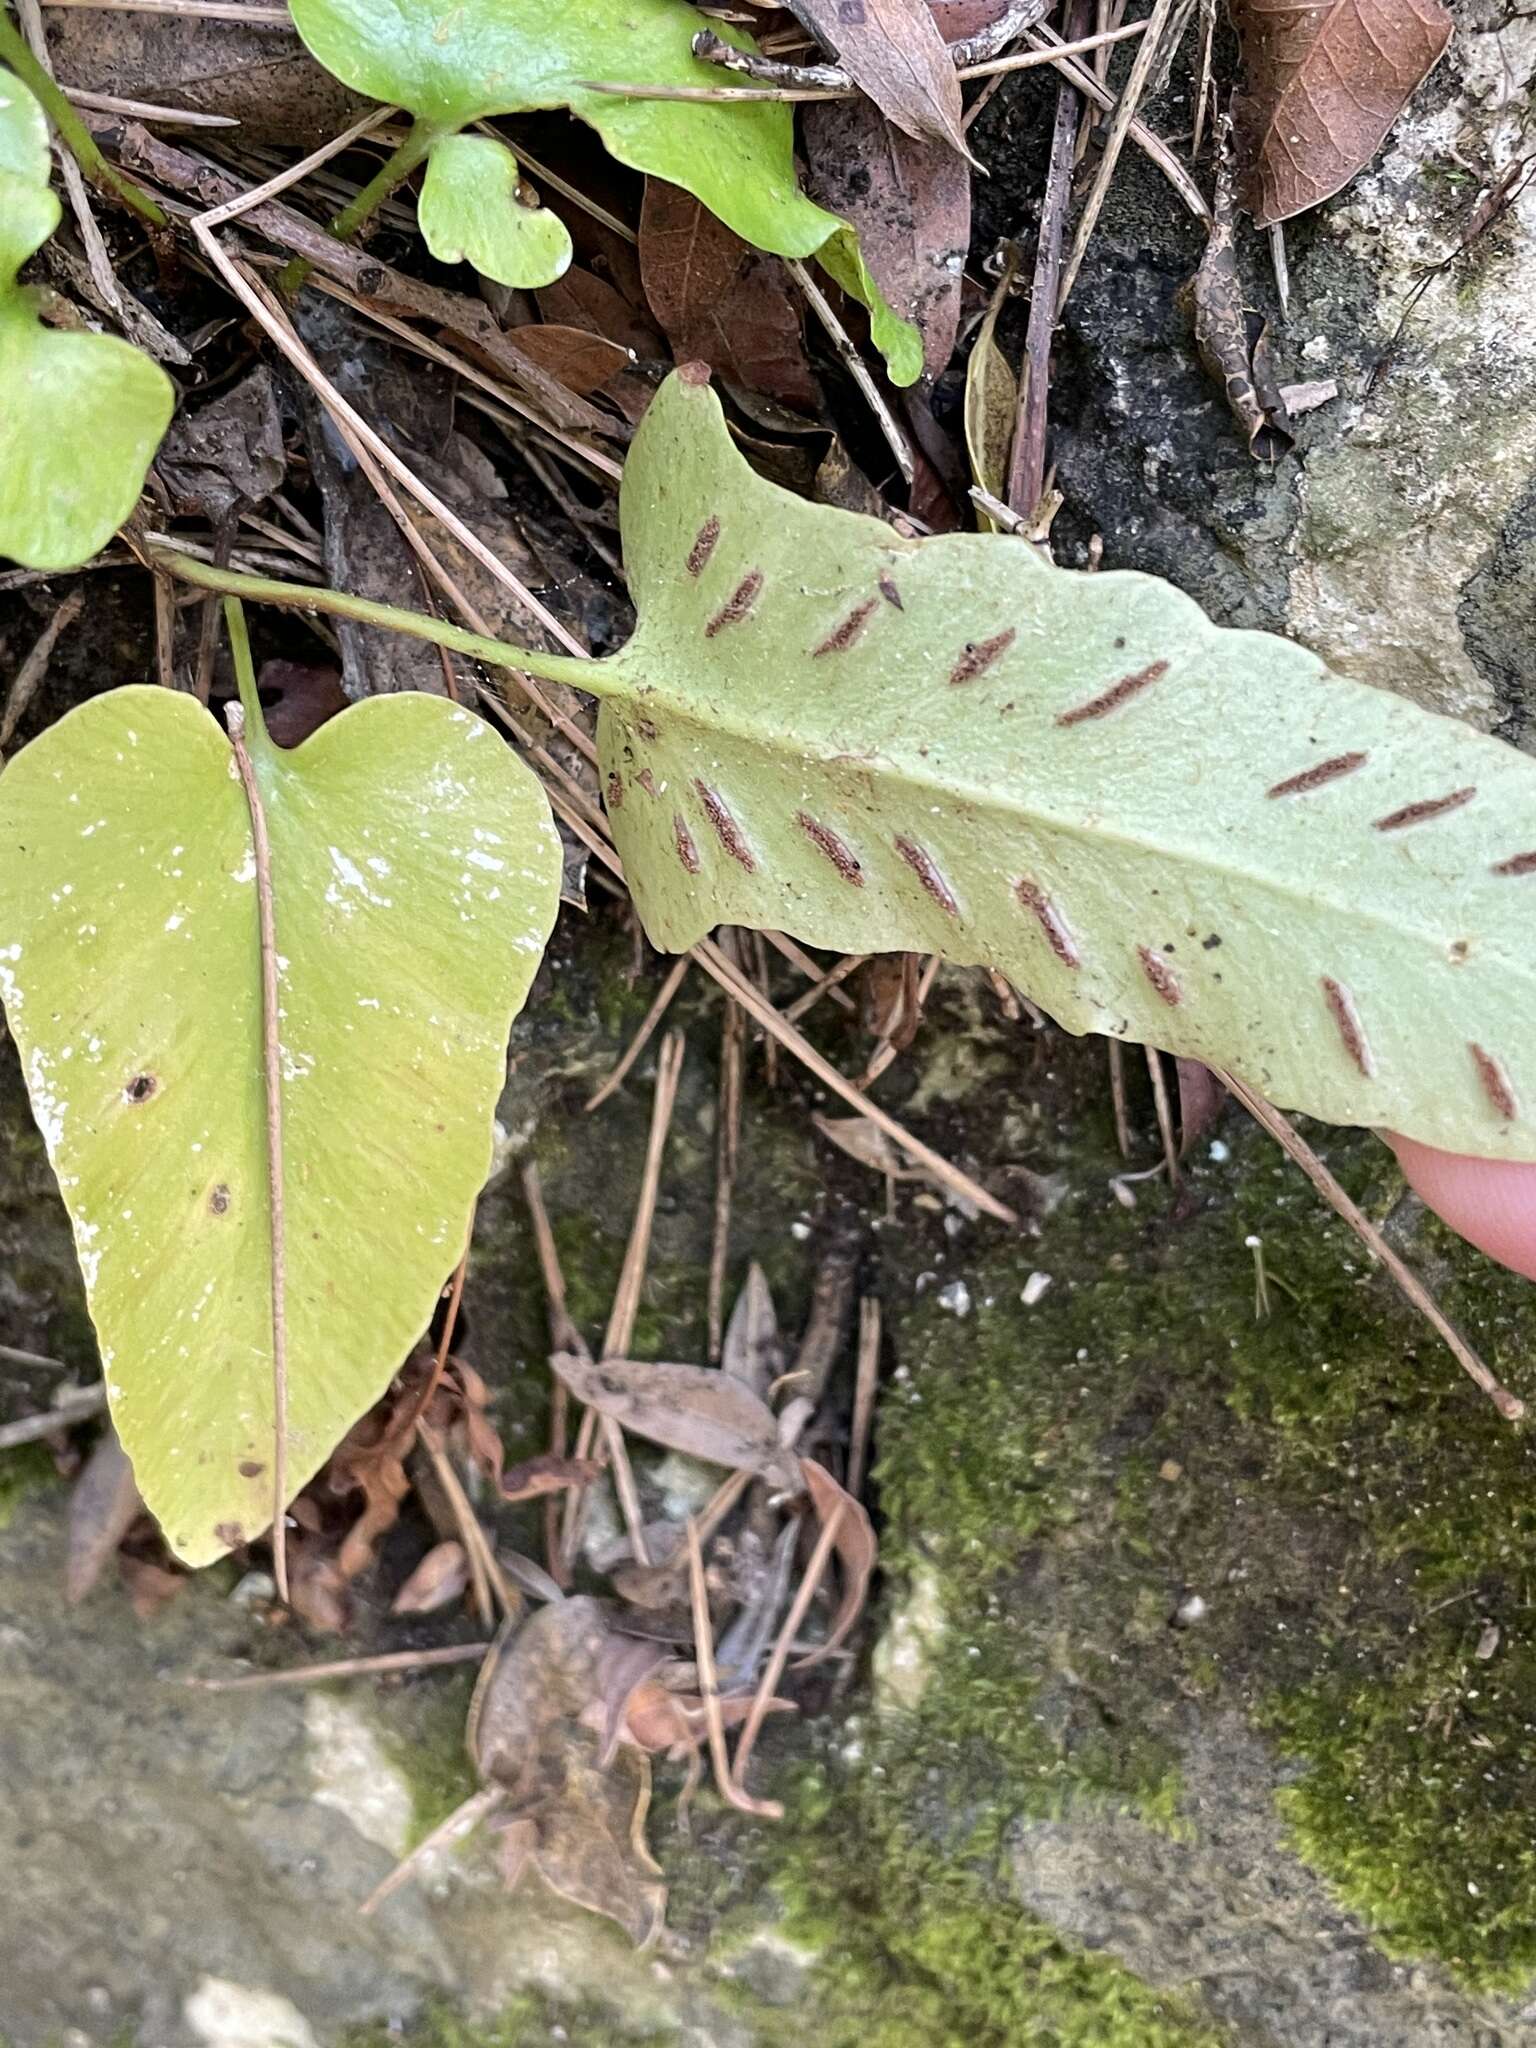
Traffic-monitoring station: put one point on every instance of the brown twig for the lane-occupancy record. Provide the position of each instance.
(272, 1079)
(1285, 1134)
(487, 1580)
(824, 985)
(866, 1380)
(344, 1667)
(709, 1687)
(77, 1407)
(563, 1336)
(1026, 465)
(463, 1818)
(1117, 1097)
(773, 1670)
(1164, 1110)
(854, 364)
(1148, 51)
(727, 1147)
(25, 682)
(675, 976)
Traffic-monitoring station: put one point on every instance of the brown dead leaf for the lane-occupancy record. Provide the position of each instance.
(547, 1473)
(102, 1508)
(1234, 342)
(890, 1004)
(584, 362)
(695, 1409)
(437, 1581)
(228, 454)
(893, 52)
(150, 1586)
(1201, 1101)
(1325, 81)
(582, 299)
(857, 1552)
(591, 1845)
(297, 697)
(911, 203)
(720, 301)
(867, 1143)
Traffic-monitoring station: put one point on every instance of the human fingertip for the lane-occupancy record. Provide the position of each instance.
(1489, 1202)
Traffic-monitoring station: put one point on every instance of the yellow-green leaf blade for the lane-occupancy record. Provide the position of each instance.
(1196, 838)
(414, 873)
(470, 209)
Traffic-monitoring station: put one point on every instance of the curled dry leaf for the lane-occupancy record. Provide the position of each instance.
(991, 404)
(893, 51)
(753, 1351)
(437, 1581)
(1325, 81)
(227, 454)
(1233, 342)
(691, 1408)
(102, 1508)
(857, 1552)
(911, 203)
(719, 300)
(867, 1143)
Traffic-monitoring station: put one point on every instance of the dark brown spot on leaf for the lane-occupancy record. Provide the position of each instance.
(826, 841)
(1315, 777)
(737, 605)
(615, 790)
(977, 656)
(922, 865)
(1430, 807)
(644, 727)
(1342, 1006)
(1034, 898)
(687, 852)
(843, 636)
(218, 1200)
(140, 1088)
(1161, 976)
(1117, 694)
(695, 373)
(251, 1468)
(890, 593)
(229, 1533)
(1521, 864)
(703, 545)
(1496, 1083)
(647, 781)
(726, 827)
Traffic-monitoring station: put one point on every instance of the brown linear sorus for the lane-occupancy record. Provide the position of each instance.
(1058, 938)
(1421, 812)
(687, 852)
(826, 842)
(1117, 694)
(926, 870)
(843, 635)
(1496, 1083)
(737, 605)
(1341, 1005)
(703, 546)
(977, 656)
(1316, 776)
(1161, 976)
(726, 828)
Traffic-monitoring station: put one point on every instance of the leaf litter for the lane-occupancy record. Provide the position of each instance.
(698, 1619)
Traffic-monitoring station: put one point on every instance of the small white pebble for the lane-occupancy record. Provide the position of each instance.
(1220, 1151)
(1033, 1288)
(956, 1297)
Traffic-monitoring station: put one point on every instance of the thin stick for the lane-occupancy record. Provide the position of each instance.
(1123, 1141)
(406, 1427)
(1026, 466)
(773, 1670)
(249, 707)
(256, 302)
(463, 1817)
(1147, 54)
(824, 985)
(345, 1667)
(727, 1148)
(866, 1379)
(626, 1298)
(145, 110)
(1151, 145)
(1281, 1129)
(747, 994)
(709, 1688)
(485, 1573)
(206, 10)
(31, 1428)
(563, 1335)
(10, 1355)
(244, 201)
(675, 977)
(1164, 1114)
(854, 364)
(25, 682)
